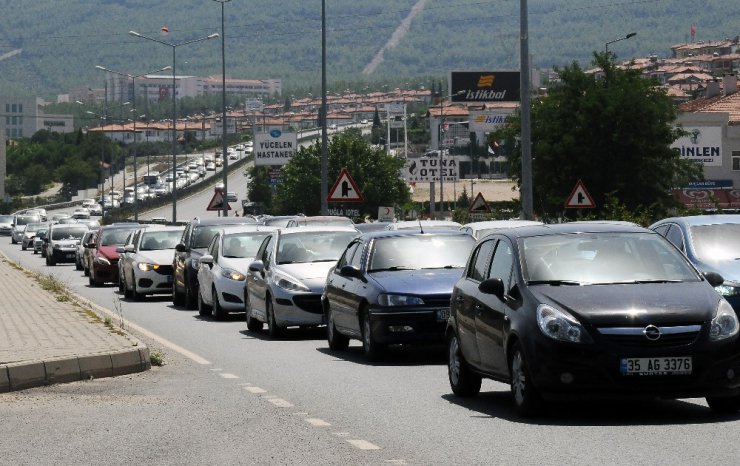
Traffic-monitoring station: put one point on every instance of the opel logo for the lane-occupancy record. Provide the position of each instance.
(651, 332)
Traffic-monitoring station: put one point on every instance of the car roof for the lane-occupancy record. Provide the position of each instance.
(487, 224)
(327, 228)
(151, 227)
(411, 232)
(428, 223)
(571, 227)
(231, 229)
(695, 220)
(223, 221)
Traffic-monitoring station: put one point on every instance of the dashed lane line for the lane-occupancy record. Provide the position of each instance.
(363, 444)
(317, 422)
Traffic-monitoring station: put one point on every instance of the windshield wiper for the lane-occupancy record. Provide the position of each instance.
(393, 269)
(444, 267)
(638, 282)
(555, 282)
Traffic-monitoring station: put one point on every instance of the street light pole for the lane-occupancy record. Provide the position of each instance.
(324, 138)
(628, 36)
(225, 168)
(136, 177)
(174, 107)
(527, 196)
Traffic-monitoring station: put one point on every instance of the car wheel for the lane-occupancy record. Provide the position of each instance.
(724, 405)
(50, 261)
(253, 324)
(91, 278)
(137, 296)
(78, 265)
(336, 340)
(13, 241)
(121, 284)
(35, 251)
(372, 349)
(85, 270)
(177, 298)
(203, 308)
(526, 398)
(463, 381)
(23, 247)
(190, 297)
(273, 330)
(219, 313)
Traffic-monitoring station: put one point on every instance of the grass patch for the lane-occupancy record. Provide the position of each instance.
(156, 358)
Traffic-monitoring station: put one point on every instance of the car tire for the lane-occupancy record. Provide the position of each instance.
(78, 265)
(724, 405)
(337, 341)
(463, 381)
(177, 298)
(34, 251)
(126, 292)
(219, 313)
(91, 278)
(253, 324)
(190, 297)
(13, 241)
(203, 308)
(372, 349)
(137, 296)
(121, 285)
(50, 261)
(523, 392)
(24, 247)
(273, 330)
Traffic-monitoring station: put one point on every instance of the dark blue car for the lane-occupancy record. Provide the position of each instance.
(712, 244)
(394, 287)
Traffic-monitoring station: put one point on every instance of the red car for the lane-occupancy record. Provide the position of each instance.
(104, 263)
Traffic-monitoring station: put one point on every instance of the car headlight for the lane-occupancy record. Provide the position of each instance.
(724, 324)
(559, 325)
(728, 290)
(289, 283)
(388, 300)
(102, 260)
(144, 267)
(233, 275)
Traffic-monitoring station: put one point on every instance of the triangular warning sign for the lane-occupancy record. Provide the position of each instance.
(217, 202)
(580, 198)
(345, 189)
(479, 204)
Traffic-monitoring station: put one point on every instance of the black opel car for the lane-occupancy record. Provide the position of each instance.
(574, 310)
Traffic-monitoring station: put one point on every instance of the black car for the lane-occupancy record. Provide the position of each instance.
(393, 287)
(573, 310)
(195, 240)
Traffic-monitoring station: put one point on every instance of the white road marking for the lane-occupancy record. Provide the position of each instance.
(226, 375)
(252, 389)
(401, 462)
(341, 434)
(280, 403)
(317, 422)
(363, 444)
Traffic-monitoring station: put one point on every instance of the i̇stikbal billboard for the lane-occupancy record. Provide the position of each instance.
(484, 86)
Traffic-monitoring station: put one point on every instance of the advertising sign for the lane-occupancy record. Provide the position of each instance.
(703, 144)
(487, 121)
(484, 86)
(275, 147)
(427, 169)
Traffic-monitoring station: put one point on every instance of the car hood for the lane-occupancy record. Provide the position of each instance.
(312, 274)
(240, 264)
(109, 252)
(418, 282)
(633, 304)
(729, 269)
(161, 257)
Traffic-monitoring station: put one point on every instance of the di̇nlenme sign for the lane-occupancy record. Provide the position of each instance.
(484, 86)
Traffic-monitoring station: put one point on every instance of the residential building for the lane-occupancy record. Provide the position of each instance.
(23, 116)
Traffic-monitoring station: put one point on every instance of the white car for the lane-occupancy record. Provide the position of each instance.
(210, 165)
(223, 268)
(146, 261)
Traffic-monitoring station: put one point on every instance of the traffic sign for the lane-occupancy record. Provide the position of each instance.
(217, 202)
(580, 198)
(479, 204)
(345, 189)
(386, 214)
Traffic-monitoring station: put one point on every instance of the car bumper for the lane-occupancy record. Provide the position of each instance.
(561, 371)
(230, 293)
(302, 309)
(154, 281)
(63, 254)
(105, 273)
(408, 326)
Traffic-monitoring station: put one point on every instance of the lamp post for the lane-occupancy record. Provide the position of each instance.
(441, 153)
(225, 168)
(174, 46)
(102, 158)
(324, 137)
(630, 35)
(133, 84)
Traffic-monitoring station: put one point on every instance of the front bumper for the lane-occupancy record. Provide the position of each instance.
(230, 293)
(298, 309)
(63, 254)
(105, 273)
(408, 325)
(157, 281)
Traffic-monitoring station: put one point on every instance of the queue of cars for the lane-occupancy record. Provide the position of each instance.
(600, 308)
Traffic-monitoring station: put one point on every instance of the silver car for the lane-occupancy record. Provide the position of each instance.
(19, 224)
(6, 224)
(145, 264)
(223, 268)
(38, 240)
(29, 233)
(285, 282)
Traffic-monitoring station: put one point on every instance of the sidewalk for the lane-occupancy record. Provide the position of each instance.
(44, 341)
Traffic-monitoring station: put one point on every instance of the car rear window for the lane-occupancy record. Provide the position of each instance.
(115, 236)
(67, 233)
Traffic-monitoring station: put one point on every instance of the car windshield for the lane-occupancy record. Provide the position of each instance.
(414, 252)
(243, 244)
(23, 220)
(115, 236)
(158, 240)
(716, 242)
(33, 226)
(203, 235)
(313, 246)
(67, 233)
(602, 258)
(6, 219)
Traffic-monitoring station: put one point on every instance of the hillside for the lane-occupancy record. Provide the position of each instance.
(61, 42)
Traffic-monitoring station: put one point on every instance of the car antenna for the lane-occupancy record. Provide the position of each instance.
(421, 228)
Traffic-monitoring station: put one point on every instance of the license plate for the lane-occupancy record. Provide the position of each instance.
(70, 256)
(656, 366)
(443, 314)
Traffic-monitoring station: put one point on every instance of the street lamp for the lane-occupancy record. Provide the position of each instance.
(225, 168)
(606, 46)
(441, 153)
(174, 106)
(133, 84)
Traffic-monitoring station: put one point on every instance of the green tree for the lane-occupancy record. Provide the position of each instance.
(376, 173)
(613, 133)
(259, 189)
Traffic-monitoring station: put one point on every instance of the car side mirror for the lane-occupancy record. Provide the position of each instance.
(88, 245)
(180, 248)
(206, 259)
(714, 278)
(257, 266)
(120, 249)
(350, 271)
(129, 248)
(494, 286)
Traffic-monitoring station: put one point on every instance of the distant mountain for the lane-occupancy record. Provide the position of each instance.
(50, 46)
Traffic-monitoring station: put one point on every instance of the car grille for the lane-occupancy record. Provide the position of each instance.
(165, 270)
(437, 300)
(669, 336)
(309, 303)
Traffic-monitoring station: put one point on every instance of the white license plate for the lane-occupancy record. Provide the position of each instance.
(443, 314)
(656, 366)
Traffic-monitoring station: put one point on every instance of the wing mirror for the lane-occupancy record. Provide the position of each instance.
(181, 248)
(350, 271)
(257, 266)
(494, 286)
(714, 278)
(206, 259)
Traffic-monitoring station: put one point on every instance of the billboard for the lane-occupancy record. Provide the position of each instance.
(484, 86)
(275, 147)
(703, 144)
